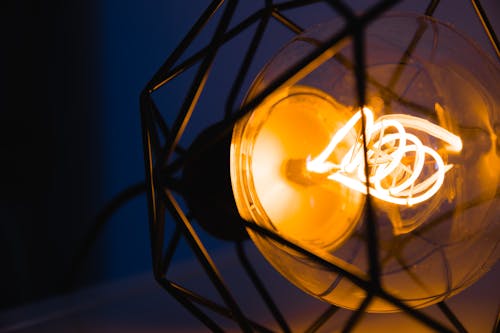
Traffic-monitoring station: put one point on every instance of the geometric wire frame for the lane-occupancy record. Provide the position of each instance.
(164, 159)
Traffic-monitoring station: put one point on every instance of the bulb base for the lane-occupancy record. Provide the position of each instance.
(206, 185)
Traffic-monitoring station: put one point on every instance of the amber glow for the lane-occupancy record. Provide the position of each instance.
(397, 159)
(425, 150)
(288, 203)
(307, 164)
(291, 127)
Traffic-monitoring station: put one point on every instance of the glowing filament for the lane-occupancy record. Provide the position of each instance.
(396, 158)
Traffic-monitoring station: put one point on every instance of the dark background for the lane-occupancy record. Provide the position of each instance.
(50, 98)
(54, 139)
(70, 77)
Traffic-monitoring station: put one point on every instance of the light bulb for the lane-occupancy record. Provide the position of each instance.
(431, 128)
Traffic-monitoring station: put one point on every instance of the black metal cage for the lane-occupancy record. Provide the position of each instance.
(165, 159)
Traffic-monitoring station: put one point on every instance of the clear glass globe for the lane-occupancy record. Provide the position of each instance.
(432, 145)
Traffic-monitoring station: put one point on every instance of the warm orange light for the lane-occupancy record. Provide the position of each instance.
(307, 164)
(293, 125)
(432, 164)
(396, 158)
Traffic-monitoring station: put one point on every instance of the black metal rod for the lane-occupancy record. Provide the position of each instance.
(370, 222)
(420, 316)
(170, 251)
(155, 205)
(159, 237)
(322, 319)
(217, 308)
(204, 258)
(195, 311)
(197, 85)
(183, 45)
(294, 73)
(261, 289)
(342, 9)
(291, 75)
(157, 123)
(294, 27)
(338, 279)
(451, 317)
(496, 326)
(369, 284)
(431, 7)
(247, 61)
(159, 119)
(196, 57)
(488, 28)
(357, 280)
(357, 315)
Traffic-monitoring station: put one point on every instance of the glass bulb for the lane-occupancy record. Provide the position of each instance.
(433, 163)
